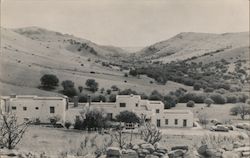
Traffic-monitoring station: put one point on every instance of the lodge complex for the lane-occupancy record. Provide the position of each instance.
(42, 109)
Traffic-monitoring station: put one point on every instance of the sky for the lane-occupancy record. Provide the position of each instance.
(127, 23)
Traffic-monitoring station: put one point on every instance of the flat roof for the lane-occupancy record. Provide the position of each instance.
(167, 111)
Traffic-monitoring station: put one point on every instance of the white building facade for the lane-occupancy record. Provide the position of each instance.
(44, 108)
(34, 108)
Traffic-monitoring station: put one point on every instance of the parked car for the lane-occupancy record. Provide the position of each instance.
(215, 122)
(219, 128)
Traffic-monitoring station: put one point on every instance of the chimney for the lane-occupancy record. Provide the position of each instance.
(75, 99)
(89, 100)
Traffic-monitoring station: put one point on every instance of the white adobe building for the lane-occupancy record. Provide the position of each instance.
(34, 108)
(153, 111)
(44, 108)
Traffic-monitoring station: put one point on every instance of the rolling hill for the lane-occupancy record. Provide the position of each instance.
(29, 53)
(187, 45)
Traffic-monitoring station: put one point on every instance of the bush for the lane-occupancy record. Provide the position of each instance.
(127, 117)
(112, 98)
(49, 81)
(208, 90)
(99, 98)
(231, 98)
(92, 85)
(126, 75)
(169, 101)
(208, 101)
(190, 103)
(127, 92)
(70, 92)
(83, 99)
(67, 124)
(133, 72)
(114, 88)
(218, 98)
(155, 95)
(197, 86)
(197, 98)
(108, 91)
(67, 84)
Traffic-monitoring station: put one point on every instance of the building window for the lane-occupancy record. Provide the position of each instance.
(52, 109)
(24, 108)
(184, 123)
(166, 121)
(37, 108)
(136, 104)
(157, 110)
(122, 105)
(176, 121)
(13, 107)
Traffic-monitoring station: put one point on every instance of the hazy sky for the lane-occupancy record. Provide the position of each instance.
(127, 22)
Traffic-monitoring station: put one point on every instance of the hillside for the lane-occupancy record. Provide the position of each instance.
(26, 56)
(71, 43)
(187, 45)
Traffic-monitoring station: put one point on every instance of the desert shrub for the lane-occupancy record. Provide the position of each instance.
(133, 72)
(70, 92)
(102, 90)
(68, 84)
(49, 81)
(128, 92)
(92, 85)
(67, 124)
(151, 133)
(208, 90)
(78, 124)
(208, 102)
(190, 103)
(155, 95)
(114, 88)
(108, 91)
(99, 98)
(197, 86)
(231, 98)
(188, 81)
(234, 111)
(220, 91)
(169, 101)
(127, 117)
(83, 99)
(218, 98)
(143, 96)
(112, 98)
(242, 98)
(197, 98)
(241, 109)
(126, 75)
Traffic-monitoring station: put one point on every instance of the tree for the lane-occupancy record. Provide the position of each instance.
(68, 84)
(127, 117)
(126, 75)
(155, 95)
(112, 98)
(203, 119)
(127, 92)
(102, 90)
(197, 86)
(241, 109)
(151, 134)
(70, 92)
(190, 103)
(92, 85)
(218, 98)
(133, 72)
(108, 91)
(99, 98)
(49, 81)
(169, 101)
(10, 131)
(80, 88)
(208, 101)
(94, 119)
(114, 88)
(83, 99)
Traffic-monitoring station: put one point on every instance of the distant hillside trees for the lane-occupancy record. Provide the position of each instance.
(92, 85)
(49, 81)
(241, 109)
